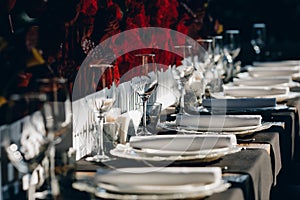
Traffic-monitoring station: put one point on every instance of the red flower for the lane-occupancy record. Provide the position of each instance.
(89, 7)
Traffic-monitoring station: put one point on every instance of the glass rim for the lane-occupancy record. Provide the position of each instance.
(232, 31)
(101, 65)
(52, 80)
(259, 25)
(145, 54)
(182, 46)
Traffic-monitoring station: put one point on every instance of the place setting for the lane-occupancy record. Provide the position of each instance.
(177, 148)
(154, 183)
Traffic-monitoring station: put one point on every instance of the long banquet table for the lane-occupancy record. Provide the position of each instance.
(253, 170)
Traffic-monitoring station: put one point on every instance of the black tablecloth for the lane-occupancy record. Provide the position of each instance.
(230, 194)
(271, 138)
(256, 163)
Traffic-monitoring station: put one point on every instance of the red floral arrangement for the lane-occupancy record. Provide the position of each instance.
(118, 16)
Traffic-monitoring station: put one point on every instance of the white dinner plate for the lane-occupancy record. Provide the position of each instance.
(173, 127)
(159, 180)
(159, 152)
(125, 151)
(105, 194)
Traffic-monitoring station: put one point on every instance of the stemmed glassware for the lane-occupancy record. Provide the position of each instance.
(144, 83)
(48, 109)
(258, 39)
(231, 49)
(26, 147)
(101, 103)
(183, 73)
(57, 116)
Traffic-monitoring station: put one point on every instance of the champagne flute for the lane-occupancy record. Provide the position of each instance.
(144, 83)
(258, 39)
(101, 103)
(231, 50)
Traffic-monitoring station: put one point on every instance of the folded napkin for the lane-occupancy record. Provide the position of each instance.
(167, 92)
(262, 81)
(218, 121)
(133, 118)
(239, 103)
(273, 71)
(281, 63)
(254, 91)
(183, 143)
(158, 179)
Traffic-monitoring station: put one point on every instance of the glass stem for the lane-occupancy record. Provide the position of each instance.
(181, 106)
(100, 136)
(54, 182)
(144, 116)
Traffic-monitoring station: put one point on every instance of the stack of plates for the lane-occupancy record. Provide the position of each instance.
(159, 183)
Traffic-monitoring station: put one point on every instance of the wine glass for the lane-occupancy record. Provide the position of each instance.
(209, 60)
(100, 103)
(258, 39)
(144, 83)
(183, 73)
(218, 48)
(231, 50)
(26, 146)
(57, 116)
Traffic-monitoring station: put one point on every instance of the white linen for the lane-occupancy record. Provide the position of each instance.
(154, 180)
(183, 143)
(263, 81)
(124, 120)
(281, 63)
(239, 103)
(218, 121)
(273, 71)
(254, 91)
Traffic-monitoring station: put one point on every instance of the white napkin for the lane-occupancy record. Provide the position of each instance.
(167, 91)
(273, 71)
(218, 121)
(281, 63)
(124, 120)
(254, 91)
(157, 180)
(239, 103)
(183, 143)
(263, 81)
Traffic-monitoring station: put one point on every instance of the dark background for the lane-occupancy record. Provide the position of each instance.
(282, 19)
